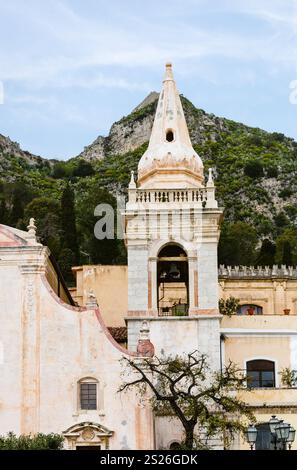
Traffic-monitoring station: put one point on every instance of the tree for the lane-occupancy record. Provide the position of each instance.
(266, 255)
(68, 222)
(60, 170)
(229, 306)
(237, 244)
(106, 251)
(21, 195)
(83, 169)
(286, 247)
(287, 259)
(186, 388)
(47, 214)
(3, 211)
(254, 169)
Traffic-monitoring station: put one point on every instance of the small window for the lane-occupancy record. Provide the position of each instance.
(261, 374)
(250, 309)
(88, 396)
(169, 136)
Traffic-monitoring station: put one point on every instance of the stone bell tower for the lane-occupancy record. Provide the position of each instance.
(172, 230)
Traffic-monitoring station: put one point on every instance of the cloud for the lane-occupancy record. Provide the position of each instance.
(72, 43)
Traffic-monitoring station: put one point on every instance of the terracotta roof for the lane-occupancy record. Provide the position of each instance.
(119, 333)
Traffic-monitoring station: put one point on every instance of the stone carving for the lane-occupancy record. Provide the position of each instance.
(88, 434)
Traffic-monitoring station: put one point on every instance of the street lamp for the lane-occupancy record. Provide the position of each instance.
(291, 437)
(251, 435)
(273, 423)
(282, 432)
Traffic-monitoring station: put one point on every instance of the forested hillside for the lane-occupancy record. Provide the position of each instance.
(256, 180)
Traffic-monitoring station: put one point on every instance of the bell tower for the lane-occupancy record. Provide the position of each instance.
(172, 225)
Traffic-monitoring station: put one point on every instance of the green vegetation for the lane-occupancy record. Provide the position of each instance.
(256, 182)
(184, 387)
(229, 306)
(37, 442)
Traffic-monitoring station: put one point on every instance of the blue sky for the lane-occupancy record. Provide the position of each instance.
(70, 68)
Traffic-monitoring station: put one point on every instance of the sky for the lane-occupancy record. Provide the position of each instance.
(70, 68)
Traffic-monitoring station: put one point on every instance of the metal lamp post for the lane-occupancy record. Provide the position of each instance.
(282, 431)
(291, 437)
(273, 423)
(251, 435)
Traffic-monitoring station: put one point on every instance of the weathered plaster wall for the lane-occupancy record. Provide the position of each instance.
(48, 347)
(137, 278)
(273, 295)
(207, 276)
(176, 336)
(110, 286)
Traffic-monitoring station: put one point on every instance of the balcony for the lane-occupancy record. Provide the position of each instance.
(191, 197)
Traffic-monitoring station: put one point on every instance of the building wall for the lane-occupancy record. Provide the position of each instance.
(273, 295)
(47, 347)
(110, 287)
(138, 278)
(181, 335)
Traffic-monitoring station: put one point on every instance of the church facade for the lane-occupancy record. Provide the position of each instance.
(60, 366)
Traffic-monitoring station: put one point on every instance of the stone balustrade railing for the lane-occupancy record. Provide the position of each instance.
(198, 197)
(257, 272)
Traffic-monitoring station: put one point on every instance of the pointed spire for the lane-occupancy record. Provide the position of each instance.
(32, 231)
(168, 72)
(210, 181)
(132, 184)
(170, 160)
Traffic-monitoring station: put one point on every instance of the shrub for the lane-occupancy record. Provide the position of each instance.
(272, 172)
(289, 377)
(285, 193)
(254, 169)
(229, 306)
(28, 442)
(83, 169)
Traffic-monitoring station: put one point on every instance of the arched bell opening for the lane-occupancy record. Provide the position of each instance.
(172, 281)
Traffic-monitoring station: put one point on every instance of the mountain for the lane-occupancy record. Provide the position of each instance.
(255, 171)
(14, 161)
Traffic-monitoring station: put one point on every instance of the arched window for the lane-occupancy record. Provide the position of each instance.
(88, 394)
(250, 309)
(172, 281)
(260, 373)
(169, 136)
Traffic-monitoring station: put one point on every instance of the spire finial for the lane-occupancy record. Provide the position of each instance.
(210, 181)
(132, 184)
(145, 348)
(168, 72)
(32, 230)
